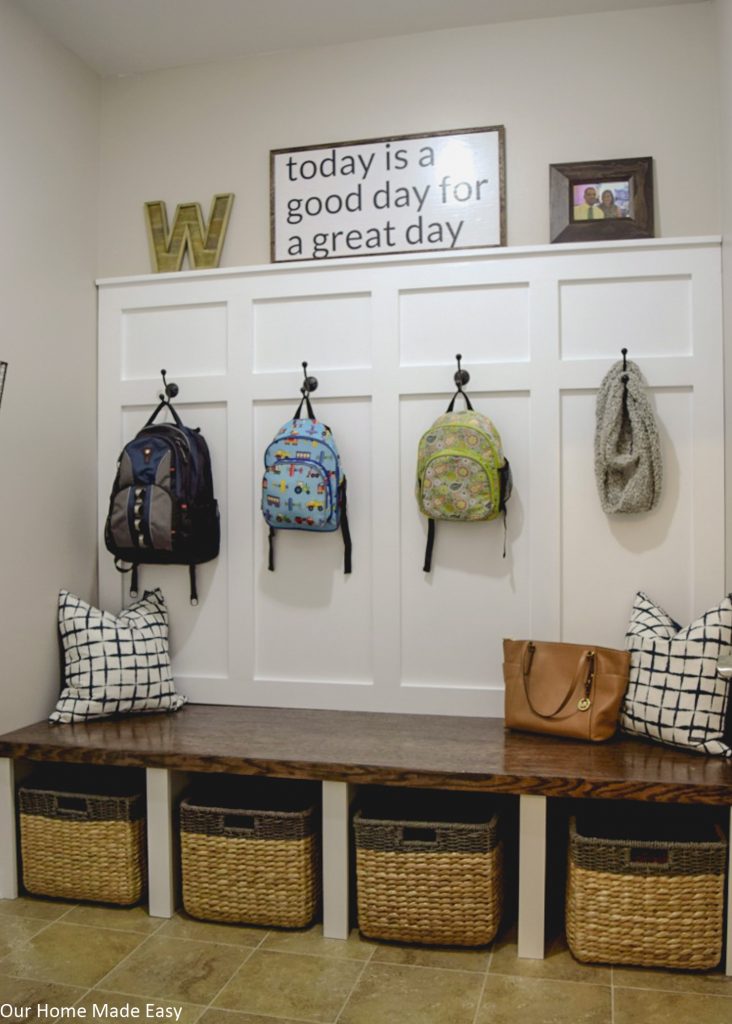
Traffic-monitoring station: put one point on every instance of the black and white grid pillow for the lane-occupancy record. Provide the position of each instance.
(674, 693)
(114, 664)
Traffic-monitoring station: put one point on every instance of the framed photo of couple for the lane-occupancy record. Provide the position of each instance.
(600, 200)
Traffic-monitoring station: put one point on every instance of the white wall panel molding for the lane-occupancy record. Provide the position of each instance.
(537, 328)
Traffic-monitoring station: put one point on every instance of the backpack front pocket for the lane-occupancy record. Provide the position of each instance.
(142, 517)
(456, 486)
(297, 493)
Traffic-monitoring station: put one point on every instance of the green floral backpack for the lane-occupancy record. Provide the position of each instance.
(462, 473)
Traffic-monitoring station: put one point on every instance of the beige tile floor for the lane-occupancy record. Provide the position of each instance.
(60, 961)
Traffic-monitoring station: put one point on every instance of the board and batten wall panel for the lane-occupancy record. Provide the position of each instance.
(537, 330)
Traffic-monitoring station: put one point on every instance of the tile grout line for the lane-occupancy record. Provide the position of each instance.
(486, 975)
(347, 1000)
(417, 967)
(104, 993)
(429, 967)
(45, 926)
(259, 948)
(372, 957)
(548, 978)
(615, 984)
(259, 1014)
(210, 1004)
(107, 928)
(295, 953)
(675, 991)
(205, 1006)
(83, 996)
(122, 961)
(96, 983)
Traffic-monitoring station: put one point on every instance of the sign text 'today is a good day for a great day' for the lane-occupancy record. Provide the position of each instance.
(394, 195)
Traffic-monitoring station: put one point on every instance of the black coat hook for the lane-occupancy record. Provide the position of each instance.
(169, 390)
(310, 384)
(624, 354)
(462, 377)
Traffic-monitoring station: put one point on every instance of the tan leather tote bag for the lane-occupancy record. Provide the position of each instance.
(569, 690)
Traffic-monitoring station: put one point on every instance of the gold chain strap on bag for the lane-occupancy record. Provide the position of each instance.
(564, 689)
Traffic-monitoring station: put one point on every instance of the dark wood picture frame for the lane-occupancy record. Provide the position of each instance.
(634, 177)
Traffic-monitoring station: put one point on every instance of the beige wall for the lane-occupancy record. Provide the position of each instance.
(723, 10)
(626, 84)
(634, 83)
(49, 127)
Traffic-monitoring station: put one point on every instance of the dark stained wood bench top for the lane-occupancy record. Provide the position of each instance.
(390, 749)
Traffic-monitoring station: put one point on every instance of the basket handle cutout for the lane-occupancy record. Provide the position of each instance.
(239, 822)
(71, 805)
(419, 835)
(644, 855)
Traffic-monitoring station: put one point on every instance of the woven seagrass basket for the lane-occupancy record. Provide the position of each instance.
(426, 879)
(649, 902)
(251, 854)
(85, 845)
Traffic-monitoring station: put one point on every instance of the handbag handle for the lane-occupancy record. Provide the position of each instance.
(589, 657)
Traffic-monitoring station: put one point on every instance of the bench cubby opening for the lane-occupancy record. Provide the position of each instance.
(344, 751)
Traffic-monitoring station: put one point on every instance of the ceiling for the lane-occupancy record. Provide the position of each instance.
(126, 37)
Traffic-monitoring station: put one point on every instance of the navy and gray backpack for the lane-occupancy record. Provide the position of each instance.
(162, 508)
(304, 487)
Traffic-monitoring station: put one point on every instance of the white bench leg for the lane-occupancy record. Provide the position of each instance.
(8, 840)
(336, 814)
(728, 962)
(163, 788)
(532, 876)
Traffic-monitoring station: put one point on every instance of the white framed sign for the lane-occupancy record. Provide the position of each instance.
(401, 194)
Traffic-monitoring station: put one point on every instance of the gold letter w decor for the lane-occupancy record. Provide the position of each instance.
(189, 232)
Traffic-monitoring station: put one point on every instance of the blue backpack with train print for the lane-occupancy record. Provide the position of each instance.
(304, 487)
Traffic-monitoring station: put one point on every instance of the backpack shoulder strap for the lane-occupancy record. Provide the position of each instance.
(430, 544)
(345, 533)
(345, 530)
(270, 562)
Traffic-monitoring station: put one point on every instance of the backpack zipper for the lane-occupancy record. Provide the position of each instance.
(456, 454)
(475, 430)
(331, 490)
(299, 437)
(180, 444)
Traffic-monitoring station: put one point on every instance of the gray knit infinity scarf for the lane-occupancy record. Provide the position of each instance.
(628, 464)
